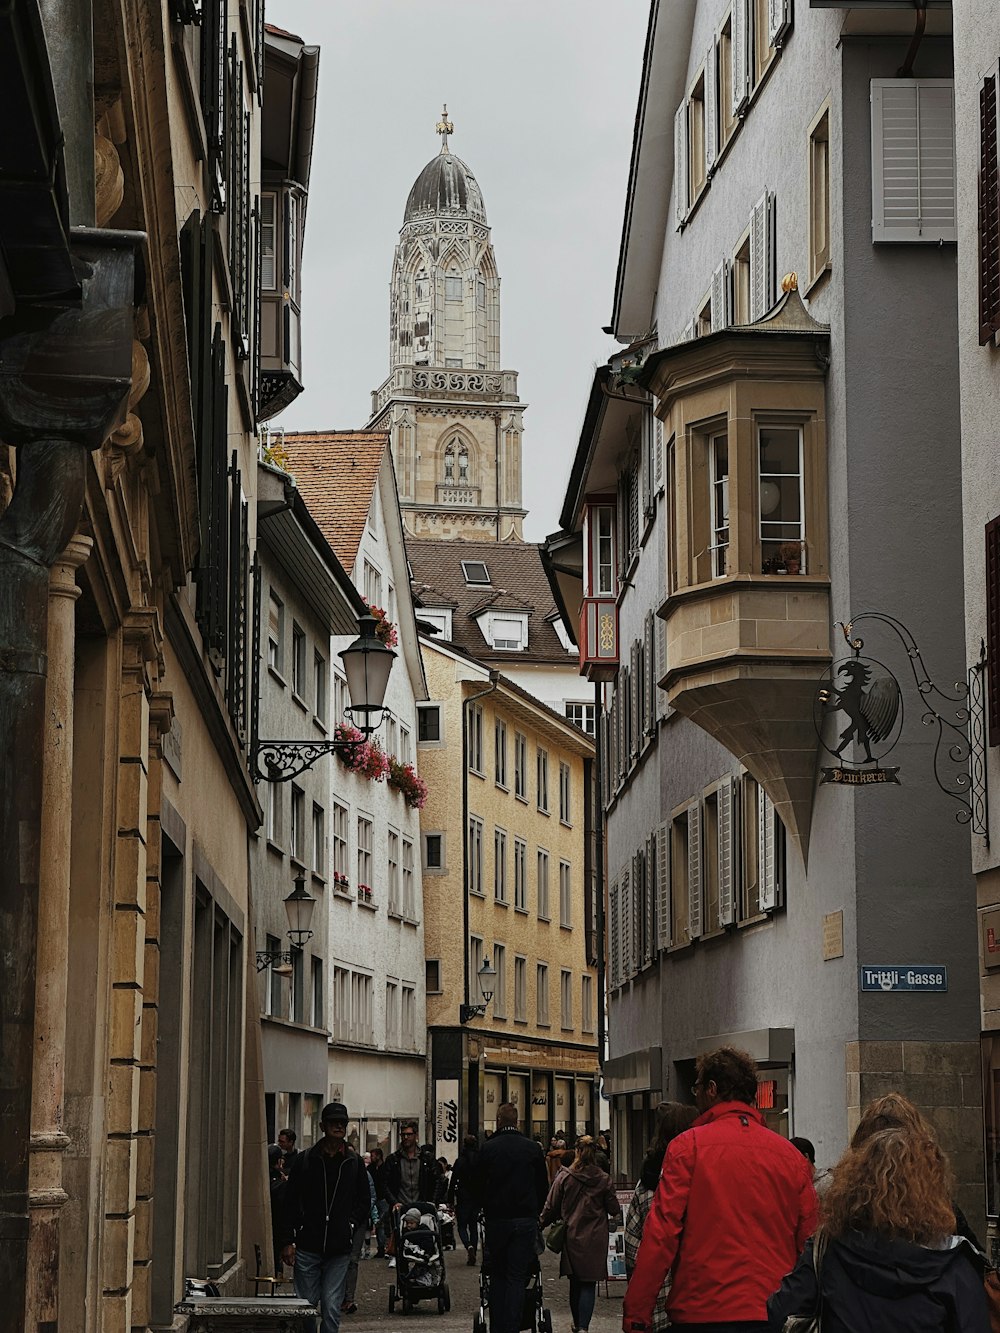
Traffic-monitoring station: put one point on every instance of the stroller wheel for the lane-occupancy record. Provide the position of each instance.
(479, 1324)
(407, 1305)
(446, 1297)
(442, 1306)
(545, 1322)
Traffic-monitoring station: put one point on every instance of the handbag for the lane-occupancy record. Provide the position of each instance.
(555, 1237)
(811, 1323)
(991, 1281)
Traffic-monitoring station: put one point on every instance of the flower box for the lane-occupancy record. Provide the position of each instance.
(404, 779)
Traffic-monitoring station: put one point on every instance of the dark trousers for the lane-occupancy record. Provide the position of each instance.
(739, 1326)
(510, 1249)
(465, 1221)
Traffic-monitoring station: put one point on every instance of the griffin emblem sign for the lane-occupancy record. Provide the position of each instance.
(858, 715)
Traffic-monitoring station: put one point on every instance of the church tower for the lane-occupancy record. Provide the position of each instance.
(453, 416)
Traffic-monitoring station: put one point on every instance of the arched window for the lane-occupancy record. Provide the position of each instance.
(463, 465)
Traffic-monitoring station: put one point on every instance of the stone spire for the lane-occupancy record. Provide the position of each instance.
(444, 128)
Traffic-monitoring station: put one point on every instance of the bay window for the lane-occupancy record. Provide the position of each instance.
(718, 446)
(780, 499)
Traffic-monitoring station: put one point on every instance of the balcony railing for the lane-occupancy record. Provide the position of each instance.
(438, 382)
(457, 495)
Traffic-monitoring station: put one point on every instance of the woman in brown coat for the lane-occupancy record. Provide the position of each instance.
(585, 1199)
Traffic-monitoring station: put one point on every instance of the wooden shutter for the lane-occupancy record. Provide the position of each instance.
(759, 259)
(694, 871)
(650, 673)
(993, 628)
(681, 164)
(720, 297)
(711, 106)
(638, 910)
(989, 209)
(913, 160)
(739, 49)
(652, 870)
(661, 660)
(614, 951)
(658, 446)
(625, 920)
(635, 682)
(725, 851)
(663, 886)
(779, 20)
(765, 851)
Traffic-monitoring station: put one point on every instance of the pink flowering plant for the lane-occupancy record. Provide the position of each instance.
(385, 630)
(365, 757)
(404, 779)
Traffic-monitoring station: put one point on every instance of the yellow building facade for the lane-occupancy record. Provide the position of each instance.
(508, 878)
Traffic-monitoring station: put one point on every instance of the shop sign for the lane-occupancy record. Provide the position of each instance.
(904, 977)
(446, 1117)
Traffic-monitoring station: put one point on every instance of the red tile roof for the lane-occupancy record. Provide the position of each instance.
(336, 472)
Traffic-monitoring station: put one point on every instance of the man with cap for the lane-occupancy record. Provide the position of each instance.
(326, 1198)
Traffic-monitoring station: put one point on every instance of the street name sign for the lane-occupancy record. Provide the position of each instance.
(904, 977)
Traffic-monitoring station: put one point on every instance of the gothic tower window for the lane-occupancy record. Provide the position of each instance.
(480, 294)
(449, 464)
(463, 464)
(453, 285)
(421, 286)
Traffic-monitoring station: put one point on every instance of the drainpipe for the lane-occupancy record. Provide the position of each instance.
(599, 870)
(905, 70)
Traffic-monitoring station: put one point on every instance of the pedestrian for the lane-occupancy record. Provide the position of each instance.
(806, 1147)
(886, 1253)
(376, 1169)
(733, 1209)
(553, 1158)
(410, 1175)
(672, 1118)
(603, 1153)
(511, 1183)
(350, 1305)
(463, 1198)
(286, 1142)
(584, 1197)
(327, 1200)
(441, 1180)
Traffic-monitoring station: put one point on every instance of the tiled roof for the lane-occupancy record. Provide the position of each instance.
(517, 582)
(275, 31)
(336, 472)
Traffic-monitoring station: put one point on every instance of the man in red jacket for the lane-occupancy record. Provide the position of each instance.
(733, 1209)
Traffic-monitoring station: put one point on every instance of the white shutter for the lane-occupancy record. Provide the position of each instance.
(651, 882)
(765, 855)
(650, 673)
(913, 160)
(625, 921)
(694, 870)
(663, 886)
(711, 106)
(725, 849)
(681, 164)
(638, 908)
(758, 259)
(635, 738)
(661, 661)
(771, 250)
(614, 939)
(720, 297)
(739, 48)
(779, 20)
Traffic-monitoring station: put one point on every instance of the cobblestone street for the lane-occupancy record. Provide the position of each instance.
(375, 1277)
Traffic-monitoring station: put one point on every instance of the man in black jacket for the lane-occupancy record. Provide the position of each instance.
(512, 1185)
(410, 1173)
(326, 1198)
(462, 1195)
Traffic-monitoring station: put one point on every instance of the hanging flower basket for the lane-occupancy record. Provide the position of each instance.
(403, 778)
(366, 757)
(385, 630)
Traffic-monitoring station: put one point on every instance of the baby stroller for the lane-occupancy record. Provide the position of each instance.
(446, 1221)
(534, 1314)
(420, 1271)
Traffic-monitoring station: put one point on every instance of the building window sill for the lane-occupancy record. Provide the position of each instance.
(276, 675)
(274, 847)
(299, 702)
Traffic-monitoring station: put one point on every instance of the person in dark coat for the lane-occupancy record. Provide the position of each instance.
(326, 1198)
(511, 1185)
(888, 1259)
(462, 1195)
(411, 1173)
(376, 1169)
(584, 1197)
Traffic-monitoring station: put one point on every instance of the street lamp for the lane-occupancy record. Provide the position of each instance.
(367, 663)
(299, 907)
(487, 976)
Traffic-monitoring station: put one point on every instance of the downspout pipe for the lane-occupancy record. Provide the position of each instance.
(599, 871)
(905, 70)
(472, 698)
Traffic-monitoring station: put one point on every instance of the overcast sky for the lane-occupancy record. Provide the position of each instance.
(542, 94)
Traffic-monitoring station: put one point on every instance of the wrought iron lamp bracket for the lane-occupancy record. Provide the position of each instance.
(957, 717)
(467, 1012)
(266, 958)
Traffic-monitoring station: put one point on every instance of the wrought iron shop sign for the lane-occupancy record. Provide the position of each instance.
(904, 977)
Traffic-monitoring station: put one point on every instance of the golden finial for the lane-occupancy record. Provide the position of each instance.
(444, 128)
(790, 282)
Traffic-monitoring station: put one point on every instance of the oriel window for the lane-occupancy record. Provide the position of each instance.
(718, 448)
(780, 492)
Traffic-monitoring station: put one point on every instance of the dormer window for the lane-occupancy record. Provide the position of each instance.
(441, 620)
(476, 574)
(506, 631)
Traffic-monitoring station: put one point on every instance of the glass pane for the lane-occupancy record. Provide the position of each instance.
(779, 449)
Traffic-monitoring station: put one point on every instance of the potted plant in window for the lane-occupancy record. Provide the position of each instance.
(404, 779)
(790, 556)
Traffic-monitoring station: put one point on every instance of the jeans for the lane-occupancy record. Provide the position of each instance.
(322, 1281)
(737, 1326)
(510, 1243)
(352, 1267)
(468, 1231)
(582, 1299)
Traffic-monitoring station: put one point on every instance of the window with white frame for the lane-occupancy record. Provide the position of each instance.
(520, 875)
(601, 574)
(500, 984)
(362, 1015)
(433, 851)
(565, 896)
(408, 1017)
(268, 251)
(429, 724)
(272, 822)
(718, 475)
(500, 866)
(392, 852)
(566, 1000)
(339, 827)
(340, 699)
(391, 734)
(409, 894)
(275, 631)
(508, 633)
(476, 856)
(298, 660)
(819, 194)
(298, 830)
(542, 765)
(520, 765)
(913, 160)
(500, 751)
(405, 744)
(476, 574)
(582, 716)
(319, 687)
(587, 1003)
(441, 621)
(542, 994)
(341, 1004)
(318, 994)
(372, 584)
(475, 740)
(697, 173)
(542, 887)
(391, 1013)
(740, 281)
(366, 832)
(319, 840)
(520, 989)
(475, 962)
(782, 530)
(565, 807)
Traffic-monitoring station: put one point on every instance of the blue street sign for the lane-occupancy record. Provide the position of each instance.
(904, 977)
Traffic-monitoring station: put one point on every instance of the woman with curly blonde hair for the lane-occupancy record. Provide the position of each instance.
(887, 1257)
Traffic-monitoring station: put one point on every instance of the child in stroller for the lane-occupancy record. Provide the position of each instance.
(420, 1272)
